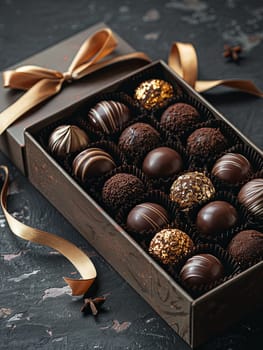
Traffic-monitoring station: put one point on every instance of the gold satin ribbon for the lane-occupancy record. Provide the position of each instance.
(76, 256)
(183, 60)
(43, 83)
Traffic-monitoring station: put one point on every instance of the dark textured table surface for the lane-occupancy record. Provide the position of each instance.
(36, 309)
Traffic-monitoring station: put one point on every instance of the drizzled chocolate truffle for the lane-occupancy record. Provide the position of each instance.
(92, 162)
(108, 116)
(206, 142)
(251, 196)
(153, 93)
(147, 216)
(162, 162)
(191, 188)
(66, 139)
(170, 245)
(246, 247)
(201, 269)
(232, 168)
(216, 217)
(179, 116)
(121, 189)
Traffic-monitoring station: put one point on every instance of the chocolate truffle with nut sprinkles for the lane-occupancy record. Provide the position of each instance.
(170, 245)
(191, 188)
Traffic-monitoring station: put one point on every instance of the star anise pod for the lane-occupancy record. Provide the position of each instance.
(92, 304)
(232, 52)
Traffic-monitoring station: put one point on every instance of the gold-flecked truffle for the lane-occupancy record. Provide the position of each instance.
(153, 93)
(191, 188)
(170, 245)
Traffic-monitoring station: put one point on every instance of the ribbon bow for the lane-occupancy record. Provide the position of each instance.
(43, 83)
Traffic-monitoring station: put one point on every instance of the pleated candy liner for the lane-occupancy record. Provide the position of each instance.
(231, 268)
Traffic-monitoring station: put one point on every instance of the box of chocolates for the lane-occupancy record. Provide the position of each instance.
(166, 190)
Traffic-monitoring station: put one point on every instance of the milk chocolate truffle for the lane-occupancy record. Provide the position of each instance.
(66, 139)
(121, 189)
(92, 162)
(191, 188)
(147, 216)
(216, 217)
(162, 162)
(251, 196)
(108, 116)
(170, 245)
(153, 93)
(200, 270)
(206, 142)
(246, 247)
(179, 116)
(138, 138)
(232, 168)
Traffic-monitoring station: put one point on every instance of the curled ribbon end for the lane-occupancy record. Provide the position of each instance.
(79, 287)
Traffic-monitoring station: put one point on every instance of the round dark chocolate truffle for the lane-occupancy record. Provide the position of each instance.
(246, 247)
(121, 189)
(138, 139)
(170, 245)
(232, 168)
(251, 196)
(200, 270)
(146, 217)
(153, 93)
(191, 188)
(216, 217)
(66, 139)
(92, 162)
(162, 162)
(108, 116)
(206, 142)
(179, 116)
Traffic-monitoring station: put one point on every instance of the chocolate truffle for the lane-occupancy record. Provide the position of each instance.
(232, 168)
(108, 116)
(146, 217)
(216, 217)
(191, 188)
(246, 247)
(121, 189)
(153, 93)
(179, 116)
(206, 142)
(200, 270)
(138, 138)
(251, 196)
(170, 245)
(92, 162)
(66, 139)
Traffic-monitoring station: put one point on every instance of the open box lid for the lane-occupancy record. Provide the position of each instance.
(59, 57)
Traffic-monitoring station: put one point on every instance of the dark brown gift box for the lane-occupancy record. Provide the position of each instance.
(195, 320)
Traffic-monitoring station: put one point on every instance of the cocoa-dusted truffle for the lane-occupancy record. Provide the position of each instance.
(216, 217)
(251, 196)
(138, 138)
(121, 189)
(92, 162)
(170, 245)
(66, 139)
(232, 168)
(108, 116)
(153, 93)
(147, 216)
(201, 270)
(191, 188)
(179, 116)
(206, 142)
(246, 247)
(162, 162)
